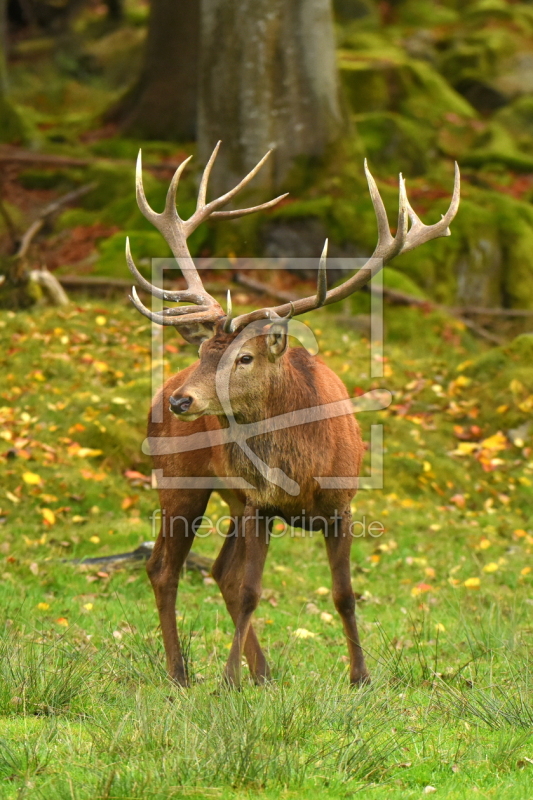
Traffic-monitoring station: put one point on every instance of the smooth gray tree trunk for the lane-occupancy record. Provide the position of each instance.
(268, 78)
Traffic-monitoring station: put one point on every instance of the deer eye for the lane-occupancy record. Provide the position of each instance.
(246, 359)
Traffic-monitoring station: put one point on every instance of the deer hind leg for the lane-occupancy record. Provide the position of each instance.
(179, 510)
(338, 544)
(248, 594)
(228, 573)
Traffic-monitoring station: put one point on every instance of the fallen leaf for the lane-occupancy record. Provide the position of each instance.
(62, 621)
(49, 517)
(43, 606)
(303, 633)
(472, 583)
(32, 478)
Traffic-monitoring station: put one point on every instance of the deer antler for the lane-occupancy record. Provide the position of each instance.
(388, 246)
(176, 231)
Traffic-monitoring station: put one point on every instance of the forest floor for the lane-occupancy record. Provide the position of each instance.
(445, 593)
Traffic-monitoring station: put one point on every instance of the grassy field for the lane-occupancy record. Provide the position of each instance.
(445, 594)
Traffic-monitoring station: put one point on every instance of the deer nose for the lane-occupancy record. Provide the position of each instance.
(179, 405)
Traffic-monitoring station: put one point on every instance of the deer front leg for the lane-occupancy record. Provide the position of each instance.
(338, 545)
(179, 510)
(256, 538)
(228, 572)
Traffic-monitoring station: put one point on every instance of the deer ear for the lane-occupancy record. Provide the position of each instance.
(197, 332)
(277, 341)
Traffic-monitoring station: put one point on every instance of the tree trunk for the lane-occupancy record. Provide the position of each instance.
(11, 128)
(267, 78)
(162, 103)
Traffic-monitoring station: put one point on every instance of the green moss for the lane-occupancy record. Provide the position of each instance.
(145, 246)
(12, 128)
(45, 178)
(394, 141)
(518, 118)
(426, 14)
(394, 279)
(386, 80)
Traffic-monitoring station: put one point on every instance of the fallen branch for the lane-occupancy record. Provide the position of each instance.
(50, 284)
(194, 561)
(46, 213)
(15, 156)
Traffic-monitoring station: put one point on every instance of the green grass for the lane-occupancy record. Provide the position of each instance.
(86, 709)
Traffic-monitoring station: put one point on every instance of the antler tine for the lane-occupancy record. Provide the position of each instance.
(420, 233)
(170, 203)
(202, 192)
(173, 297)
(202, 212)
(322, 279)
(168, 316)
(384, 234)
(242, 212)
(229, 314)
(403, 219)
(142, 202)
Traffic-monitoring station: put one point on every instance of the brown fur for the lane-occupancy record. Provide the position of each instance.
(291, 381)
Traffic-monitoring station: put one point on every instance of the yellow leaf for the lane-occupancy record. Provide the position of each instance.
(88, 606)
(472, 583)
(485, 544)
(326, 616)
(463, 365)
(322, 591)
(525, 571)
(119, 401)
(426, 466)
(62, 621)
(100, 366)
(462, 380)
(31, 478)
(440, 627)
(48, 516)
(12, 497)
(496, 442)
(527, 405)
(490, 567)
(95, 539)
(524, 481)
(516, 387)
(303, 633)
(100, 320)
(502, 409)
(43, 606)
(465, 448)
(88, 452)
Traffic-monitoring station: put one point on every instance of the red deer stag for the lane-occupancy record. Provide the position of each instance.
(246, 375)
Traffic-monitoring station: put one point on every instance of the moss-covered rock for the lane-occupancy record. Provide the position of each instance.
(395, 141)
(386, 79)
